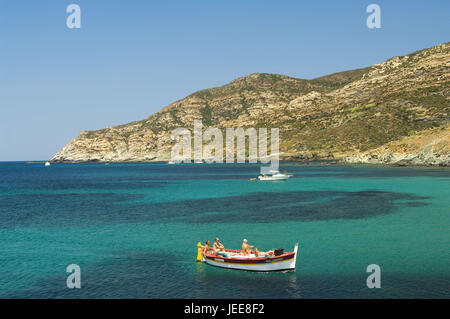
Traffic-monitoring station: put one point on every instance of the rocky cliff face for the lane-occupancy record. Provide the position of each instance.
(429, 147)
(393, 112)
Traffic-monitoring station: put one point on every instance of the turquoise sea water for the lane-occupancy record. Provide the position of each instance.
(133, 230)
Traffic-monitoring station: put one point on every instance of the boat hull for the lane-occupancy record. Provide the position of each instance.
(274, 178)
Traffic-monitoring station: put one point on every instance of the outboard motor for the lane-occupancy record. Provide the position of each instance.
(278, 252)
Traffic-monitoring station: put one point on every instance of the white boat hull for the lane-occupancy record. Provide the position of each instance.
(274, 178)
(273, 266)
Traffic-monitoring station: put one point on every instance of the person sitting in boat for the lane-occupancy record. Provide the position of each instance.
(218, 247)
(206, 248)
(263, 253)
(247, 250)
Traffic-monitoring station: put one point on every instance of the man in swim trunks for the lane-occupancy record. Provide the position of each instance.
(246, 248)
(218, 247)
(206, 248)
(263, 254)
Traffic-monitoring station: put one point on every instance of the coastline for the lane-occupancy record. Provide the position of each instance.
(323, 162)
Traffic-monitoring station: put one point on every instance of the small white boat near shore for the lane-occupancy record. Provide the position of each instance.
(274, 176)
(47, 163)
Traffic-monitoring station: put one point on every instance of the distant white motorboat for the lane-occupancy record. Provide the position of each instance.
(47, 163)
(170, 162)
(274, 176)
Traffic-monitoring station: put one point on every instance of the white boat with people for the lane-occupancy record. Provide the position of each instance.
(274, 176)
(249, 258)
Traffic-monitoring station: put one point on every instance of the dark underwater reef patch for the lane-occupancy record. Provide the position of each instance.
(85, 184)
(153, 274)
(286, 206)
(267, 207)
(34, 210)
(149, 274)
(133, 275)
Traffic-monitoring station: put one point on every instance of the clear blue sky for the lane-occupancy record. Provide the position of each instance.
(131, 58)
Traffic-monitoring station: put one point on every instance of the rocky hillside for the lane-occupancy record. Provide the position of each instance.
(393, 112)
